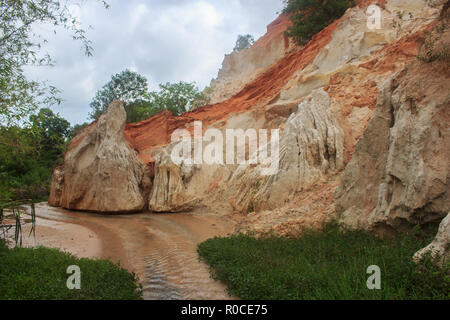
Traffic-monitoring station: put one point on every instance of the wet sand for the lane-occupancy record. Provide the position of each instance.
(160, 249)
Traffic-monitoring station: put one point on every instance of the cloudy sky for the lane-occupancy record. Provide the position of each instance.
(164, 40)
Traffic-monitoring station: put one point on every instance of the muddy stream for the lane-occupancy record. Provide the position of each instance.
(160, 249)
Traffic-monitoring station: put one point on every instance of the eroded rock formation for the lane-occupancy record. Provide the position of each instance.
(240, 68)
(401, 168)
(101, 172)
(310, 147)
(169, 192)
(357, 112)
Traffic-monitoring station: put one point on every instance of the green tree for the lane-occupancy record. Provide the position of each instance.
(51, 132)
(140, 104)
(127, 86)
(244, 42)
(311, 16)
(28, 154)
(20, 46)
(177, 97)
(76, 129)
(140, 110)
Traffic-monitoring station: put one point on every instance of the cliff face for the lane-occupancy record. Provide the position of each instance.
(401, 165)
(101, 173)
(242, 67)
(363, 133)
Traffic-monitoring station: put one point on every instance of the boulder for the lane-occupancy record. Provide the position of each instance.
(101, 172)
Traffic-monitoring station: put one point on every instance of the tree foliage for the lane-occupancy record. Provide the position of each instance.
(29, 153)
(140, 110)
(311, 16)
(126, 86)
(244, 42)
(140, 104)
(178, 97)
(21, 46)
(76, 129)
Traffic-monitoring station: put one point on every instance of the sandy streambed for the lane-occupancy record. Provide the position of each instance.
(160, 249)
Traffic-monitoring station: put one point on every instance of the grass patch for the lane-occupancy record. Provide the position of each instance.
(40, 274)
(327, 264)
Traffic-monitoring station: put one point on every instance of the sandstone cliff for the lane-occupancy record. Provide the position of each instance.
(363, 127)
(401, 163)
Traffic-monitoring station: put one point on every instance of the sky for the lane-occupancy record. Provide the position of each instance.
(163, 40)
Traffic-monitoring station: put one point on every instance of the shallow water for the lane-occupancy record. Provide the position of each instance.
(160, 249)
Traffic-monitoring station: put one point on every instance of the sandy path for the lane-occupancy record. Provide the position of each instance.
(160, 249)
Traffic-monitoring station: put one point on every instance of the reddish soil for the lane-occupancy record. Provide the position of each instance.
(157, 130)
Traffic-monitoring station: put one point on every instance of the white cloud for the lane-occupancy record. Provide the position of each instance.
(136, 16)
(164, 40)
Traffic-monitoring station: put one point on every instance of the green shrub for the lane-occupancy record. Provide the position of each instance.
(28, 154)
(40, 274)
(311, 16)
(328, 264)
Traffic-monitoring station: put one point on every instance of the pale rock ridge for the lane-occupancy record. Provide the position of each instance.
(241, 67)
(310, 147)
(169, 192)
(401, 166)
(102, 173)
(439, 249)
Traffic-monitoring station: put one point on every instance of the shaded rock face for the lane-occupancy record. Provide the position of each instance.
(57, 187)
(439, 249)
(101, 172)
(169, 191)
(399, 174)
(311, 146)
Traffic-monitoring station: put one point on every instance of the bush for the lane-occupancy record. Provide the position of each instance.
(244, 42)
(328, 264)
(29, 153)
(40, 274)
(311, 16)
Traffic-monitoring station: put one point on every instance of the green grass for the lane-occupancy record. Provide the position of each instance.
(40, 274)
(328, 264)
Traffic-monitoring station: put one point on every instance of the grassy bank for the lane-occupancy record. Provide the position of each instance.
(30, 274)
(328, 264)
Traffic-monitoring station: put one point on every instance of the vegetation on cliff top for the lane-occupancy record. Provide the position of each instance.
(244, 42)
(311, 16)
(328, 264)
(41, 274)
(132, 89)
